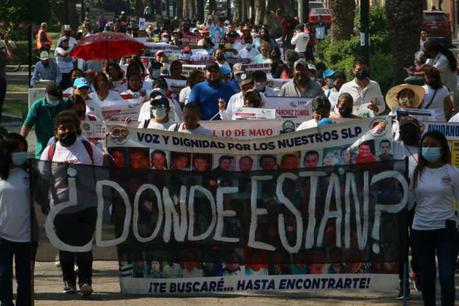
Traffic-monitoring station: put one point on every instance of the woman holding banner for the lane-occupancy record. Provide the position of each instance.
(434, 191)
(15, 231)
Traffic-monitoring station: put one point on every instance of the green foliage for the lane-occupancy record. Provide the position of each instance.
(340, 55)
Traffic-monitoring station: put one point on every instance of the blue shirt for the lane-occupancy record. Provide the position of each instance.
(207, 95)
(50, 72)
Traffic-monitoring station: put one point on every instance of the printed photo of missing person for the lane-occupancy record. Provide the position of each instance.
(180, 161)
(224, 164)
(311, 159)
(290, 161)
(385, 150)
(331, 156)
(158, 160)
(202, 162)
(246, 163)
(139, 158)
(268, 162)
(119, 156)
(365, 152)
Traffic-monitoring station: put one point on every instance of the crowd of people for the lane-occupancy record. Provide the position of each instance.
(76, 90)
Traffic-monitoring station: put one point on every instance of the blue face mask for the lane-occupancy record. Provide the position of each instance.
(431, 154)
(330, 84)
(19, 158)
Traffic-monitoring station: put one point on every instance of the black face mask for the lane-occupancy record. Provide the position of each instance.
(345, 111)
(68, 139)
(221, 57)
(409, 135)
(361, 75)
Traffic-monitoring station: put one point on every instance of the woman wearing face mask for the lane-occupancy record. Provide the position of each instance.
(71, 148)
(434, 188)
(277, 66)
(15, 230)
(74, 74)
(444, 60)
(159, 114)
(437, 96)
(65, 62)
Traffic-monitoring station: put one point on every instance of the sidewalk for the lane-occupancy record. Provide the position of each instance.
(48, 291)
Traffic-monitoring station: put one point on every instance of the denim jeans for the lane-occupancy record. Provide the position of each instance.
(443, 243)
(23, 259)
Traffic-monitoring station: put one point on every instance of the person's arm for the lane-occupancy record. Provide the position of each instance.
(378, 105)
(29, 120)
(25, 130)
(448, 107)
(58, 74)
(36, 75)
(294, 38)
(194, 95)
(9, 49)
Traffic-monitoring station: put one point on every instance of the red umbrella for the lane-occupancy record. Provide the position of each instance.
(106, 45)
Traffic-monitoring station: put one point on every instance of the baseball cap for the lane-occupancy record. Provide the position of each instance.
(212, 66)
(301, 62)
(159, 53)
(159, 100)
(225, 70)
(328, 73)
(80, 82)
(238, 69)
(44, 55)
(244, 79)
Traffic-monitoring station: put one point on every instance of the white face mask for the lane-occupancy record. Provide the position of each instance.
(52, 101)
(159, 113)
(260, 86)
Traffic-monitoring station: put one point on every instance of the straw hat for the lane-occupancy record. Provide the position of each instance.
(391, 96)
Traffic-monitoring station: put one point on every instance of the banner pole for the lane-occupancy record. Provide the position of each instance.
(405, 283)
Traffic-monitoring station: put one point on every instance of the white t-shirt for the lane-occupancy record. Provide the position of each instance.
(119, 86)
(93, 110)
(244, 53)
(332, 95)
(363, 96)
(184, 94)
(200, 130)
(15, 206)
(448, 76)
(433, 196)
(235, 103)
(65, 63)
(438, 101)
(152, 124)
(454, 118)
(112, 96)
(307, 125)
(75, 154)
(300, 41)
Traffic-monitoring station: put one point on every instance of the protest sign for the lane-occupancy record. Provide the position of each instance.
(289, 228)
(250, 68)
(94, 131)
(142, 24)
(119, 110)
(291, 107)
(249, 113)
(35, 94)
(420, 114)
(451, 132)
(175, 86)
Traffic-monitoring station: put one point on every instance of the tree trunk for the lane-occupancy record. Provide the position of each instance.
(405, 20)
(180, 9)
(343, 12)
(237, 14)
(259, 7)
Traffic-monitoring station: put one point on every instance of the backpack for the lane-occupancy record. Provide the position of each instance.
(87, 145)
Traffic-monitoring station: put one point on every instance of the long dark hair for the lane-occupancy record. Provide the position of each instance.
(433, 74)
(437, 47)
(8, 145)
(445, 155)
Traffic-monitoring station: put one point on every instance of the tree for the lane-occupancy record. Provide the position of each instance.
(404, 28)
(259, 7)
(15, 12)
(343, 13)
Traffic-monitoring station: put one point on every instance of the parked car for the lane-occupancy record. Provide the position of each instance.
(316, 13)
(438, 26)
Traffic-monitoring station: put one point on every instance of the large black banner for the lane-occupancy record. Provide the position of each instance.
(341, 214)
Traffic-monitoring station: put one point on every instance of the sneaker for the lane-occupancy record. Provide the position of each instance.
(69, 287)
(86, 289)
(57, 262)
(401, 296)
